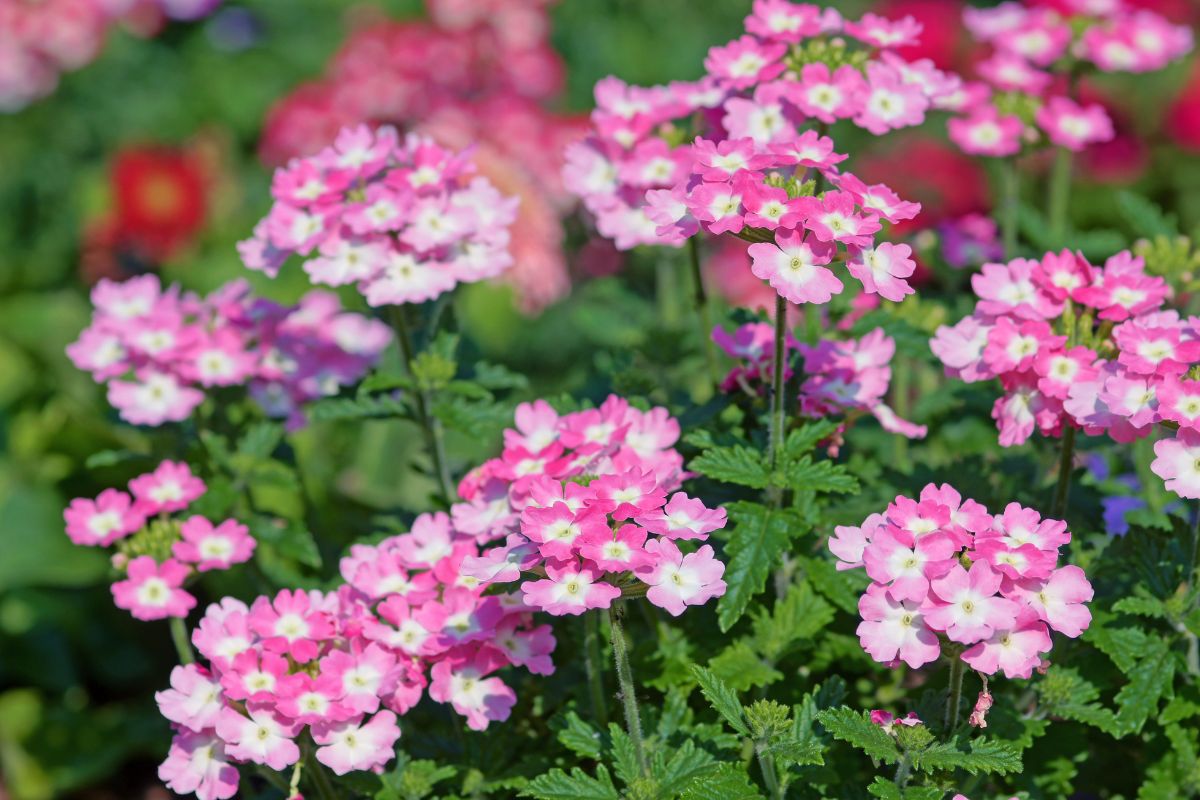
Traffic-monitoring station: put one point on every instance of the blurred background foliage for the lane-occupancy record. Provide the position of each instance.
(77, 716)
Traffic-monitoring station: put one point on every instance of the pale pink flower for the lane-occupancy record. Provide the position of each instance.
(794, 267)
(894, 630)
(100, 522)
(197, 763)
(677, 581)
(569, 588)
(194, 699)
(152, 590)
(263, 737)
(966, 606)
(209, 547)
(1177, 462)
(356, 745)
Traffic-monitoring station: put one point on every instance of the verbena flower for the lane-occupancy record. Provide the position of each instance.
(943, 570)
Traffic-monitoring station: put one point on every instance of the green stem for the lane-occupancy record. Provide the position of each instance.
(183, 645)
(633, 717)
(1193, 642)
(766, 763)
(1010, 206)
(297, 772)
(591, 664)
(325, 789)
(1060, 197)
(954, 695)
(703, 310)
(903, 771)
(778, 371)
(1066, 462)
(901, 391)
(430, 425)
(666, 291)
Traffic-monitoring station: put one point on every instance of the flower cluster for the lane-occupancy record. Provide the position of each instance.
(847, 378)
(402, 220)
(581, 502)
(945, 573)
(158, 350)
(281, 668)
(1087, 347)
(1022, 91)
(755, 119)
(39, 41)
(157, 551)
(480, 73)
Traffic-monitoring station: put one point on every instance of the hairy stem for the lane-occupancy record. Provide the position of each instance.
(778, 371)
(954, 693)
(430, 425)
(703, 311)
(183, 644)
(1066, 462)
(903, 771)
(633, 717)
(592, 665)
(766, 763)
(1059, 197)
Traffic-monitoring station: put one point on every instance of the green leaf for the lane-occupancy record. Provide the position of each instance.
(289, 539)
(740, 667)
(1150, 681)
(625, 760)
(578, 736)
(842, 587)
(341, 408)
(791, 751)
(802, 440)
(260, 440)
(722, 698)
(757, 539)
(806, 475)
(798, 615)
(885, 789)
(1065, 694)
(578, 785)
(856, 728)
(1141, 606)
(738, 464)
(1145, 217)
(1123, 645)
(975, 756)
(687, 765)
(726, 782)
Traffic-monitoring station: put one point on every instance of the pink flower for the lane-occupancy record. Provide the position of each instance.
(893, 630)
(906, 566)
(683, 518)
(152, 590)
(1179, 401)
(349, 746)
(1177, 462)
(783, 20)
(677, 581)
(626, 495)
(1015, 649)
(1014, 347)
(986, 133)
(719, 207)
(460, 680)
(213, 548)
(254, 675)
(569, 588)
(828, 96)
(171, 487)
(966, 606)
(794, 268)
(849, 542)
(310, 700)
(1059, 599)
(1010, 289)
(1059, 370)
(882, 270)
(745, 62)
(100, 522)
(883, 32)
(261, 738)
(362, 677)
(1073, 126)
(620, 551)
(961, 348)
(197, 763)
(889, 102)
(832, 218)
(194, 699)
(290, 624)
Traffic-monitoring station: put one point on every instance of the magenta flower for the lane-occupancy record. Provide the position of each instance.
(209, 547)
(100, 522)
(171, 487)
(289, 624)
(462, 681)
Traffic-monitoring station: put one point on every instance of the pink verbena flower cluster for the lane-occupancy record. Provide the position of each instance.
(403, 220)
(283, 671)
(481, 73)
(846, 378)
(946, 573)
(1024, 88)
(755, 118)
(39, 41)
(158, 350)
(157, 552)
(1084, 346)
(581, 502)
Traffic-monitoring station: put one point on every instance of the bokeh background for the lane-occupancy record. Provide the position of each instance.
(144, 143)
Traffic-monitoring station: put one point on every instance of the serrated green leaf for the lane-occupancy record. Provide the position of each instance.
(342, 408)
(625, 761)
(687, 765)
(1141, 606)
(757, 538)
(738, 465)
(974, 756)
(578, 736)
(260, 440)
(806, 475)
(791, 751)
(1123, 645)
(802, 440)
(1149, 681)
(797, 616)
(726, 782)
(1145, 217)
(722, 698)
(856, 728)
(578, 785)
(740, 667)
(842, 587)
(885, 789)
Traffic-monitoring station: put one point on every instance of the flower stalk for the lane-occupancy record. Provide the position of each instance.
(633, 717)
(431, 426)
(592, 666)
(183, 645)
(703, 311)
(1066, 463)
(954, 692)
